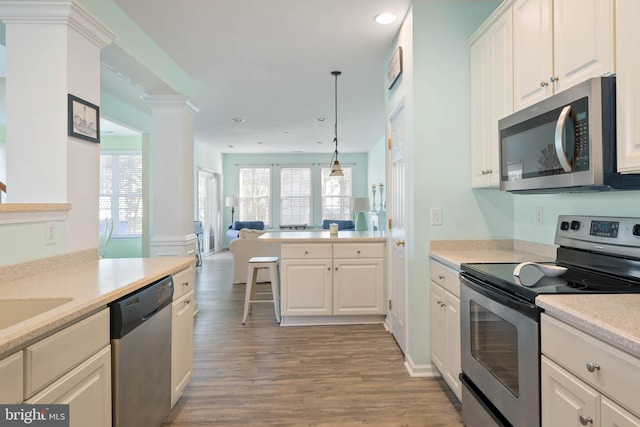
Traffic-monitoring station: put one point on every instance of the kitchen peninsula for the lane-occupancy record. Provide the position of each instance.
(331, 279)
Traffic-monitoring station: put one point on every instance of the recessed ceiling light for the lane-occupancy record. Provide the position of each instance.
(319, 142)
(230, 146)
(385, 18)
(237, 120)
(260, 142)
(285, 133)
(321, 119)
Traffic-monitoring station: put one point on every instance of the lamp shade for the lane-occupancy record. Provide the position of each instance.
(360, 204)
(231, 202)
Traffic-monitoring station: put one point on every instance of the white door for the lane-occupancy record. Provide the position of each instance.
(396, 236)
(208, 210)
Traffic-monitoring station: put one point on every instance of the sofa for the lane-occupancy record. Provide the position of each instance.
(234, 229)
(248, 245)
(343, 224)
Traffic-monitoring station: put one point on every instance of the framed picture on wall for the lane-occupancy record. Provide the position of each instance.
(394, 69)
(84, 119)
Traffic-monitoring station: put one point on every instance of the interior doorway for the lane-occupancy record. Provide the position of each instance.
(209, 209)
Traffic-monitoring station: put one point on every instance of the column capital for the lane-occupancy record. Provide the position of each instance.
(172, 101)
(61, 12)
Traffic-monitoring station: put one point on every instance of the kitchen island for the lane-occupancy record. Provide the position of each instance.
(331, 279)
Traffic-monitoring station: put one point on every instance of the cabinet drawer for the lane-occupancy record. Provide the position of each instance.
(183, 282)
(306, 251)
(358, 250)
(618, 374)
(11, 379)
(53, 356)
(446, 277)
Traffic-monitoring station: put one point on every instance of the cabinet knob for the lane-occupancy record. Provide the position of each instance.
(399, 242)
(306, 252)
(554, 79)
(185, 284)
(358, 252)
(187, 302)
(592, 367)
(544, 83)
(487, 171)
(585, 420)
(441, 277)
(329, 268)
(336, 268)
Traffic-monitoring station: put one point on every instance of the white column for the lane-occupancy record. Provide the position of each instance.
(171, 176)
(53, 49)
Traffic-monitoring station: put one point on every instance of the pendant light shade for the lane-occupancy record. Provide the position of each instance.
(336, 169)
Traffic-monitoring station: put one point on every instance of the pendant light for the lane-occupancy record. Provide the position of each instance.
(336, 170)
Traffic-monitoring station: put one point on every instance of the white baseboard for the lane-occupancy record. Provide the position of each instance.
(423, 370)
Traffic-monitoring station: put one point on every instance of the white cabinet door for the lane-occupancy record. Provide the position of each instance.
(558, 44)
(438, 334)
(87, 390)
(452, 335)
(614, 416)
(565, 398)
(11, 379)
(307, 289)
(181, 344)
(491, 98)
(628, 85)
(532, 51)
(583, 41)
(358, 286)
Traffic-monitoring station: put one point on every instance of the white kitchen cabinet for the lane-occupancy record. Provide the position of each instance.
(11, 378)
(628, 85)
(445, 324)
(491, 56)
(182, 312)
(73, 366)
(86, 389)
(181, 344)
(358, 286)
(558, 44)
(585, 381)
(332, 280)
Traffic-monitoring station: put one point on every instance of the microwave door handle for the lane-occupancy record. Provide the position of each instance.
(560, 151)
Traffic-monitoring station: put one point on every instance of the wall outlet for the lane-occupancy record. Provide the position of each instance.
(436, 216)
(539, 216)
(50, 233)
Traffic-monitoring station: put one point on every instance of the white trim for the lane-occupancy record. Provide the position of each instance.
(331, 320)
(172, 101)
(18, 213)
(424, 370)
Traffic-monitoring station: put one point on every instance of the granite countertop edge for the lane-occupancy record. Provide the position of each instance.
(90, 286)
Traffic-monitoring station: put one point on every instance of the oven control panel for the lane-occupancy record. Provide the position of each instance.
(602, 234)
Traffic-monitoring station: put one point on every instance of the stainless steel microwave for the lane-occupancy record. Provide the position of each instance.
(565, 143)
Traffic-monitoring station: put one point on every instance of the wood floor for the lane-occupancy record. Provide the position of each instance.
(262, 374)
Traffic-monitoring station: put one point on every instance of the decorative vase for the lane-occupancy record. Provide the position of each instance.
(374, 198)
(361, 222)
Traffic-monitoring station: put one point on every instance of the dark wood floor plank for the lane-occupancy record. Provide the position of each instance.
(262, 374)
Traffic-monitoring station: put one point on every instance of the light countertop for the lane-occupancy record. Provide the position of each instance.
(323, 236)
(614, 319)
(453, 253)
(90, 285)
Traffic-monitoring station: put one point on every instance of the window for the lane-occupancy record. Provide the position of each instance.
(336, 194)
(121, 192)
(295, 195)
(255, 194)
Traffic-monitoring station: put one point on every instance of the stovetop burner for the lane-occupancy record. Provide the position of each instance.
(533, 282)
(601, 254)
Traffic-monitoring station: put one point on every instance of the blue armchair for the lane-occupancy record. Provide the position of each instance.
(343, 224)
(234, 230)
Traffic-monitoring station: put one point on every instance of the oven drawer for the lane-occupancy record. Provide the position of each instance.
(618, 374)
(446, 277)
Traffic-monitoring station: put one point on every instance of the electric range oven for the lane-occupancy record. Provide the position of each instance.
(500, 322)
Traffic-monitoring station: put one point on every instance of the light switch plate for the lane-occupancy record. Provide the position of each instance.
(50, 233)
(436, 216)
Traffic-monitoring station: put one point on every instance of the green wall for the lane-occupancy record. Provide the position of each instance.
(435, 86)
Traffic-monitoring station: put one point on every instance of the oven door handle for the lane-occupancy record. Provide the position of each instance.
(511, 301)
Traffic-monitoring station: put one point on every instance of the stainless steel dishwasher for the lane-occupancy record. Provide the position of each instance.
(141, 356)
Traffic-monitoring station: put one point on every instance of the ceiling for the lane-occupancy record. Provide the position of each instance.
(268, 62)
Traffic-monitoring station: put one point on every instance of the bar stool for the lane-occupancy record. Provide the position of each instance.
(255, 264)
